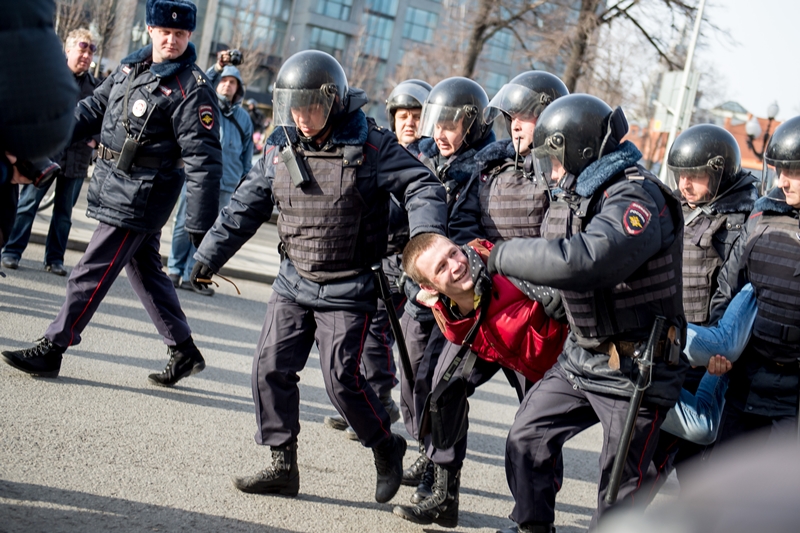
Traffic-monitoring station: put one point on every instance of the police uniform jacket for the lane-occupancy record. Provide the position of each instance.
(623, 252)
(385, 168)
(764, 381)
(180, 141)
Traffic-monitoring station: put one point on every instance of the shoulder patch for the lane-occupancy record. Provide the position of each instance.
(206, 113)
(636, 218)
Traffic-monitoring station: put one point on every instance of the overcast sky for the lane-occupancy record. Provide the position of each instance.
(763, 67)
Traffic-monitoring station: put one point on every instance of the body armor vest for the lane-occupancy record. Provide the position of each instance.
(325, 226)
(773, 259)
(702, 261)
(653, 289)
(450, 186)
(512, 204)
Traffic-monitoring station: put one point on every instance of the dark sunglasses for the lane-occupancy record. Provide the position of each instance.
(83, 46)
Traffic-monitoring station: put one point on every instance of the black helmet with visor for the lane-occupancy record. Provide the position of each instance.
(311, 83)
(705, 153)
(782, 155)
(526, 96)
(409, 94)
(452, 102)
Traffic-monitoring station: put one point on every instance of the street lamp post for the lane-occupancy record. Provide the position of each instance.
(753, 130)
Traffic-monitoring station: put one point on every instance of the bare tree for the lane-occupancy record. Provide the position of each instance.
(102, 14)
(71, 15)
(94, 15)
(255, 42)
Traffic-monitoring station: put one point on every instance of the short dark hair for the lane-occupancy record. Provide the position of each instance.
(415, 247)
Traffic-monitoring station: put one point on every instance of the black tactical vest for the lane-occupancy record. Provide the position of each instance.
(702, 260)
(512, 205)
(653, 289)
(450, 186)
(773, 260)
(327, 230)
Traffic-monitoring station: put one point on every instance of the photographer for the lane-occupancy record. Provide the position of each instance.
(74, 162)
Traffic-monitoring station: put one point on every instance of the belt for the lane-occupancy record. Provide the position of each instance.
(664, 349)
(104, 152)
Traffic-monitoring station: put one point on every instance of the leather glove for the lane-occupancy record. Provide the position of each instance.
(196, 239)
(201, 271)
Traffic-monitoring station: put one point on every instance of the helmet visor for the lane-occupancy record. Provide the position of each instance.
(516, 100)
(409, 96)
(698, 185)
(306, 109)
(548, 160)
(775, 169)
(436, 117)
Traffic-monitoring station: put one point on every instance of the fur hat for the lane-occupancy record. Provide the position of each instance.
(177, 14)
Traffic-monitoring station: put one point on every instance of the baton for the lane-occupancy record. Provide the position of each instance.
(645, 363)
(386, 295)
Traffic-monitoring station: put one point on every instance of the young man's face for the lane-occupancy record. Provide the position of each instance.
(227, 87)
(446, 268)
(789, 182)
(406, 122)
(168, 43)
(522, 133)
(448, 136)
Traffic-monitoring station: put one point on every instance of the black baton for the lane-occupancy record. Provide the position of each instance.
(386, 295)
(645, 363)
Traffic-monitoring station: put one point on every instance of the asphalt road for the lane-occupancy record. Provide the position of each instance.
(99, 449)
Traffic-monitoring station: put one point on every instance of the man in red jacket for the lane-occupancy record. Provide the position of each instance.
(518, 331)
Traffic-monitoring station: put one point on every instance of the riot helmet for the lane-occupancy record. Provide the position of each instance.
(574, 132)
(704, 161)
(313, 85)
(409, 94)
(456, 103)
(782, 156)
(527, 95)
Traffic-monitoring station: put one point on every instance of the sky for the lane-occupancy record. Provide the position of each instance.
(763, 66)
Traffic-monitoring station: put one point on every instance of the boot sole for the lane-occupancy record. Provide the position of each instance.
(196, 369)
(291, 490)
(335, 424)
(35, 373)
(410, 517)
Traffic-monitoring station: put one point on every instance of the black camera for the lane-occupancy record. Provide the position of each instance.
(41, 171)
(236, 57)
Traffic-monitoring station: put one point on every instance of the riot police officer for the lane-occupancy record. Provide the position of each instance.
(403, 109)
(611, 242)
(763, 389)
(157, 120)
(513, 199)
(330, 171)
(717, 196)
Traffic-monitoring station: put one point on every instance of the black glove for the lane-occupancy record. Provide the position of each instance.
(196, 239)
(201, 271)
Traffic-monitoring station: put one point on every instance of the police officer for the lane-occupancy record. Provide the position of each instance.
(612, 244)
(403, 108)
(717, 197)
(513, 199)
(763, 389)
(330, 172)
(157, 120)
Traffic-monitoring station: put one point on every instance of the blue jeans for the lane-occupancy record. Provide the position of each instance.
(67, 192)
(181, 256)
(696, 417)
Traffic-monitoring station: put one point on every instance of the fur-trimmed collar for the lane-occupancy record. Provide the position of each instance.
(167, 68)
(352, 132)
(464, 165)
(498, 151)
(774, 202)
(605, 168)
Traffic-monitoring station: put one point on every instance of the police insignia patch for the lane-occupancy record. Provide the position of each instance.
(206, 113)
(636, 218)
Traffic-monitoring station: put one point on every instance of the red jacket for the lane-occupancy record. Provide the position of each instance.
(516, 332)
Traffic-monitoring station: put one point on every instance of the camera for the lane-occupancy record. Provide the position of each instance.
(236, 57)
(41, 171)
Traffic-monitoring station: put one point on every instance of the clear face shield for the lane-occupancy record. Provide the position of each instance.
(410, 95)
(548, 161)
(306, 109)
(699, 185)
(516, 101)
(436, 118)
(775, 170)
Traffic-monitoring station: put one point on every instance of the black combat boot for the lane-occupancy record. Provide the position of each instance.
(425, 487)
(184, 361)
(529, 528)
(389, 464)
(42, 360)
(283, 477)
(442, 507)
(412, 476)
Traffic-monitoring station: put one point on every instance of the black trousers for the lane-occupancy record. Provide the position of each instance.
(378, 361)
(552, 412)
(289, 331)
